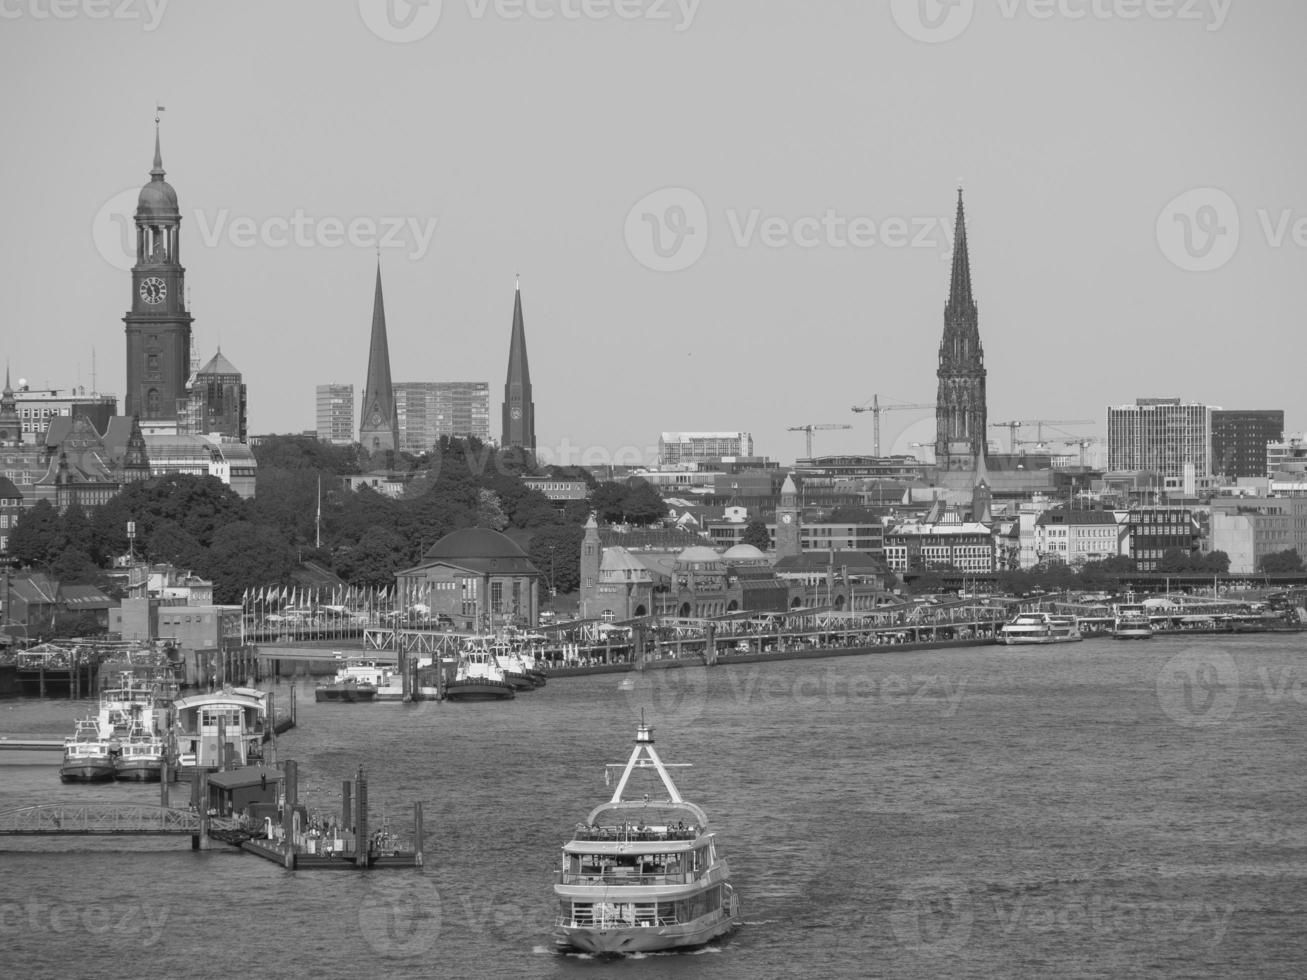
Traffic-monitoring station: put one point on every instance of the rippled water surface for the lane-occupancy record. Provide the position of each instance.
(1094, 809)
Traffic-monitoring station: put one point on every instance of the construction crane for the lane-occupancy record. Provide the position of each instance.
(1039, 431)
(811, 428)
(875, 408)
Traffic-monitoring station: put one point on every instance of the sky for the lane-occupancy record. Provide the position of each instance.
(726, 215)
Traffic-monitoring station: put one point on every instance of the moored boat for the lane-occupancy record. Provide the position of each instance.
(643, 872)
(88, 757)
(140, 757)
(1040, 627)
(358, 679)
(1132, 623)
(478, 677)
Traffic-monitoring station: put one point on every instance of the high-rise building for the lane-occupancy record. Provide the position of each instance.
(217, 400)
(158, 326)
(1162, 436)
(519, 421)
(960, 407)
(335, 414)
(428, 410)
(681, 448)
(1240, 438)
(379, 424)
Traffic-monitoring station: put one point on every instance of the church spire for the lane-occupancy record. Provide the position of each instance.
(156, 172)
(960, 409)
(379, 425)
(959, 299)
(519, 428)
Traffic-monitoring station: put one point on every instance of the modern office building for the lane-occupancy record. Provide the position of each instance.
(1157, 530)
(1240, 438)
(427, 410)
(335, 414)
(682, 448)
(1162, 436)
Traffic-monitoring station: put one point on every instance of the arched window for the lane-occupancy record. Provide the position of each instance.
(152, 403)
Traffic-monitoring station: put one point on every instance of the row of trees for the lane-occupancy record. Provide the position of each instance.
(303, 511)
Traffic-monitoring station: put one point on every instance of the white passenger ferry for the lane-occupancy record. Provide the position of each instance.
(643, 874)
(1040, 627)
(1132, 623)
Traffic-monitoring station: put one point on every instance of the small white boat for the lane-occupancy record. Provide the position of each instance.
(141, 756)
(479, 677)
(1040, 627)
(88, 757)
(643, 872)
(1132, 623)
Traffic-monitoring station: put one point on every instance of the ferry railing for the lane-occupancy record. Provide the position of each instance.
(679, 878)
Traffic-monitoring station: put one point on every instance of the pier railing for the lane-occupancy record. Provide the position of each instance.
(103, 819)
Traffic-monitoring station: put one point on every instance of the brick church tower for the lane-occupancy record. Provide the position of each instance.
(158, 326)
(960, 413)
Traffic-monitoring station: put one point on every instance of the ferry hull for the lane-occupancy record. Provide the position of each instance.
(647, 939)
(479, 690)
(1034, 640)
(139, 771)
(350, 693)
(87, 772)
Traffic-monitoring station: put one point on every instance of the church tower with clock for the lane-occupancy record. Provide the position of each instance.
(519, 420)
(789, 542)
(158, 326)
(379, 423)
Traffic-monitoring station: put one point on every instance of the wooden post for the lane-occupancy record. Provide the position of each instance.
(417, 834)
(406, 679)
(222, 744)
(204, 842)
(361, 845)
(289, 823)
(271, 723)
(346, 806)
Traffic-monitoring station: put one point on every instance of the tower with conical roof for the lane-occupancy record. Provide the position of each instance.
(379, 423)
(960, 413)
(158, 325)
(789, 541)
(519, 429)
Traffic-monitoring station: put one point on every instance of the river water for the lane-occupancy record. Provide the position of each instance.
(1100, 809)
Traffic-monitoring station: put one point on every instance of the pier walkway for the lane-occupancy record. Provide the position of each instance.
(105, 819)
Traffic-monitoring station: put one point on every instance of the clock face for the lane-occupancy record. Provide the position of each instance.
(153, 290)
(786, 518)
(515, 412)
(376, 418)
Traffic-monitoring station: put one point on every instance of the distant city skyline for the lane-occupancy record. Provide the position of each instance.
(756, 238)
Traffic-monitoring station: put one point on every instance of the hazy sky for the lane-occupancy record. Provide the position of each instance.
(1133, 172)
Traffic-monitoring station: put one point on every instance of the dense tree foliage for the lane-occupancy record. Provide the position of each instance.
(556, 552)
(244, 554)
(305, 453)
(756, 534)
(1281, 561)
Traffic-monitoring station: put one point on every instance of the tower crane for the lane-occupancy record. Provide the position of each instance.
(875, 408)
(1039, 431)
(810, 428)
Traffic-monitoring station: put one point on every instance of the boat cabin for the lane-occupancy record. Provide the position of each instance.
(240, 713)
(232, 792)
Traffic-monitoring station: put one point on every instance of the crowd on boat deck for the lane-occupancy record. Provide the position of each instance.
(633, 832)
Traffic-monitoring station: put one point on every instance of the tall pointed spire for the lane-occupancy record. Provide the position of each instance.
(960, 405)
(519, 428)
(959, 298)
(379, 424)
(156, 172)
